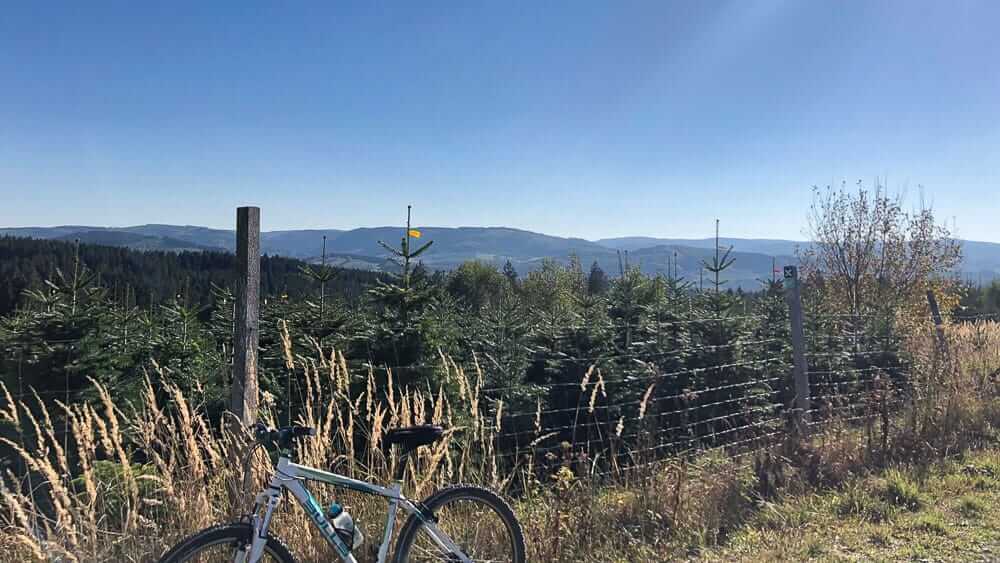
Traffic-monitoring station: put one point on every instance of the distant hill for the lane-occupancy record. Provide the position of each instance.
(142, 237)
(136, 241)
(526, 250)
(773, 247)
(194, 236)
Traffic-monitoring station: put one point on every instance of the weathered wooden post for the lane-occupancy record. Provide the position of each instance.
(938, 321)
(942, 358)
(793, 296)
(243, 403)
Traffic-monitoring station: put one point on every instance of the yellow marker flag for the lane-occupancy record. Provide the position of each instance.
(415, 233)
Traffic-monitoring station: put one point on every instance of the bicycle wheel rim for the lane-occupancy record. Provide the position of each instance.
(474, 525)
(223, 550)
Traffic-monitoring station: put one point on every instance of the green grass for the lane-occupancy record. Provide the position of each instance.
(901, 490)
(949, 512)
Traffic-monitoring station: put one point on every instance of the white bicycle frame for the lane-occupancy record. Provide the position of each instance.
(292, 476)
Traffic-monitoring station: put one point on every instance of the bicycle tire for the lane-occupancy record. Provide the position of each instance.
(442, 498)
(235, 533)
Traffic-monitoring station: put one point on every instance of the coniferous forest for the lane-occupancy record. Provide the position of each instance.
(73, 312)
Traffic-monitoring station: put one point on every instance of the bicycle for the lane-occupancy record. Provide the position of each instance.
(427, 534)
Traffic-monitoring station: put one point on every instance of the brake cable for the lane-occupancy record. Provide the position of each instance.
(248, 466)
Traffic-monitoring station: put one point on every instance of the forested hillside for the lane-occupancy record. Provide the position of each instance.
(144, 278)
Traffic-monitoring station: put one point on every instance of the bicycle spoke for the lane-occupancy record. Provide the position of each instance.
(474, 527)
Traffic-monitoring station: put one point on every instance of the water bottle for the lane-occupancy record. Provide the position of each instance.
(343, 524)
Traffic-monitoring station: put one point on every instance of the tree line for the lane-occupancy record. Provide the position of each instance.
(149, 278)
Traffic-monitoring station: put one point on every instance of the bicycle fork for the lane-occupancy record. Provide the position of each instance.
(251, 552)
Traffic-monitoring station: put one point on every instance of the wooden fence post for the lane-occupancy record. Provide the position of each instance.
(243, 401)
(793, 296)
(938, 321)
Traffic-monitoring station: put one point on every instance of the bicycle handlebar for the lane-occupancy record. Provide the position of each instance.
(282, 437)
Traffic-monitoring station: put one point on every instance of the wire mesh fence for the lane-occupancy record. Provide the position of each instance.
(630, 407)
(662, 387)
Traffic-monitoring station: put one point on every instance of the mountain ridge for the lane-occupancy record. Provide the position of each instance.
(526, 250)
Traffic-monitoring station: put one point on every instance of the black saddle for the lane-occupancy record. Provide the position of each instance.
(413, 437)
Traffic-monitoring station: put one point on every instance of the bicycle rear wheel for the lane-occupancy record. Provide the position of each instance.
(223, 543)
(476, 519)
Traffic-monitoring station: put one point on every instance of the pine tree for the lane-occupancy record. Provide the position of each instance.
(624, 298)
(510, 273)
(720, 341)
(321, 274)
(401, 301)
(402, 294)
(597, 281)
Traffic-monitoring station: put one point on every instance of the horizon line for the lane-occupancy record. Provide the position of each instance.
(662, 237)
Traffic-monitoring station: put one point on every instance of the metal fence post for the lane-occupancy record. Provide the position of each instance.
(793, 296)
(246, 335)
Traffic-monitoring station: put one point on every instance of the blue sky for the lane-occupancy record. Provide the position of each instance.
(571, 118)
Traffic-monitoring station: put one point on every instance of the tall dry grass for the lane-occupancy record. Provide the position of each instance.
(139, 477)
(136, 478)
(953, 403)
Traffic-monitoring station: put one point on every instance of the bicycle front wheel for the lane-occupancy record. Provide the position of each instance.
(478, 521)
(225, 543)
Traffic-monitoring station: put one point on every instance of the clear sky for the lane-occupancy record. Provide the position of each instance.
(576, 118)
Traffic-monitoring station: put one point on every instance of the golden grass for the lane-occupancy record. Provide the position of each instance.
(165, 472)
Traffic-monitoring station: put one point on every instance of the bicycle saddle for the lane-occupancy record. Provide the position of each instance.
(412, 437)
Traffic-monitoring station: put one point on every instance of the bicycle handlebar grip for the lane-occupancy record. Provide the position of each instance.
(261, 432)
